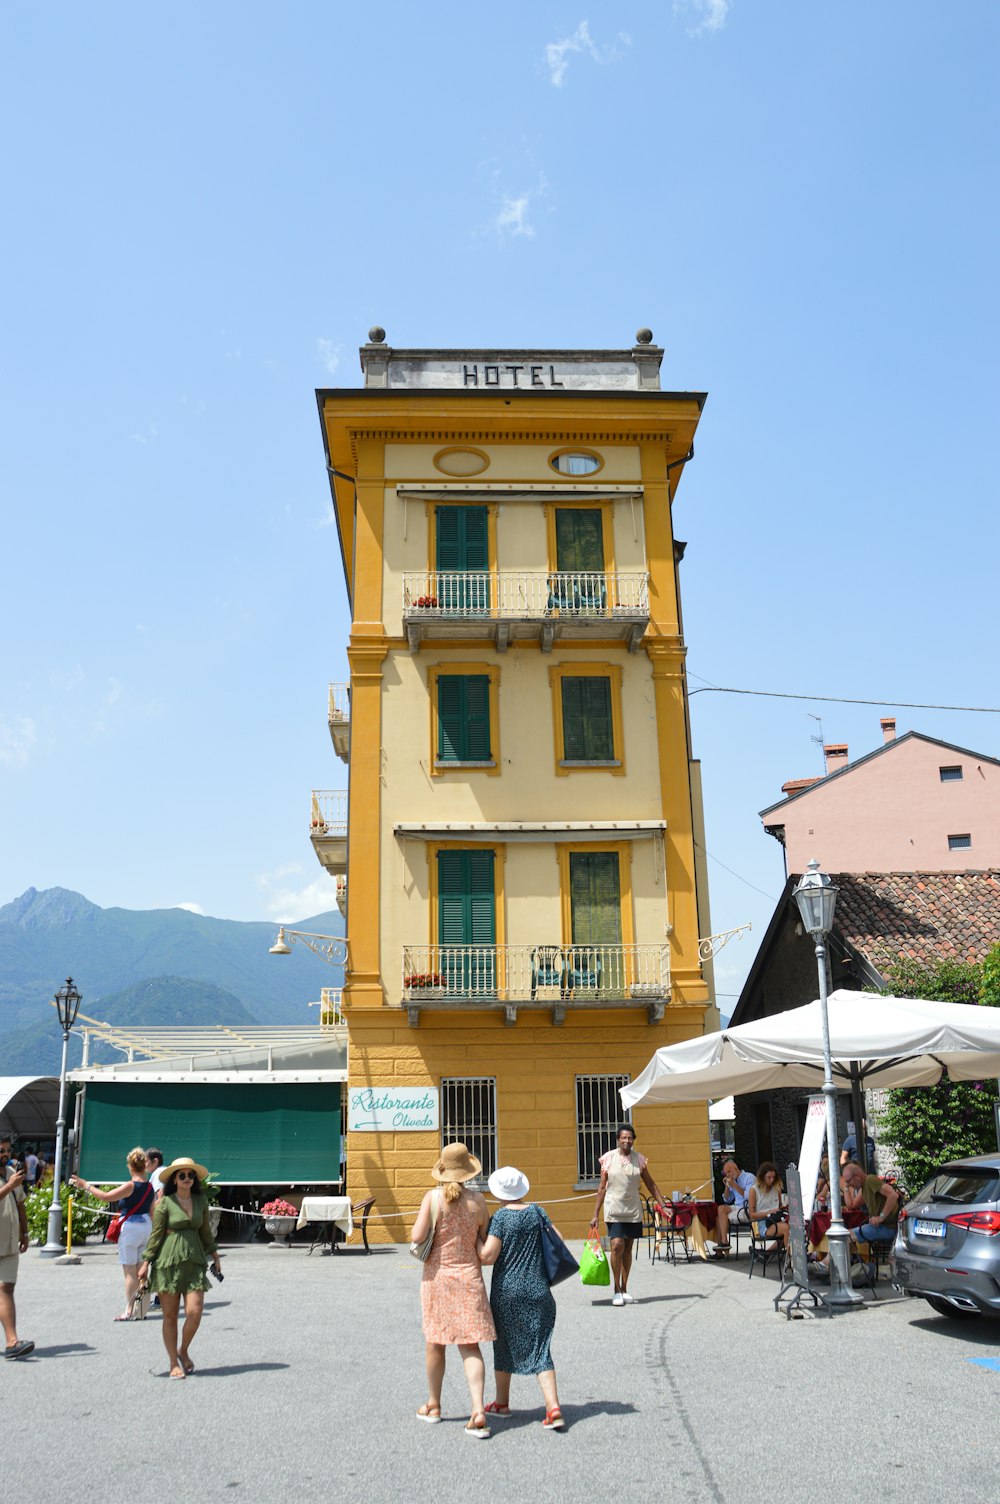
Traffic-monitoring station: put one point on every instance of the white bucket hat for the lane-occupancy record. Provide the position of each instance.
(508, 1184)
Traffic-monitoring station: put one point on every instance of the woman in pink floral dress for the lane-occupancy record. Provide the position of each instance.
(453, 1296)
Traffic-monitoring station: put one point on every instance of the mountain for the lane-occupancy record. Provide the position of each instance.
(50, 935)
(37, 1049)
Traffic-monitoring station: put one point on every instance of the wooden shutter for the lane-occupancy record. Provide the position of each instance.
(588, 731)
(462, 538)
(466, 898)
(477, 717)
(595, 898)
(579, 540)
(463, 718)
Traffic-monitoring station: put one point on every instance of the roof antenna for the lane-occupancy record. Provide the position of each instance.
(818, 739)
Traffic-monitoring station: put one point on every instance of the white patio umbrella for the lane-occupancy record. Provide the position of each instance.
(875, 1041)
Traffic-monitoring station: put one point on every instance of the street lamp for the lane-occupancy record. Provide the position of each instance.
(67, 1004)
(816, 898)
(332, 948)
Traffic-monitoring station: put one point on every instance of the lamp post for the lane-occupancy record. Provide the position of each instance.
(67, 1004)
(332, 948)
(816, 898)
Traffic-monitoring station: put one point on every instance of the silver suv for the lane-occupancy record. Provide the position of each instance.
(948, 1244)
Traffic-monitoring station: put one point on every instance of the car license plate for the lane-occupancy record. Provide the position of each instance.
(928, 1229)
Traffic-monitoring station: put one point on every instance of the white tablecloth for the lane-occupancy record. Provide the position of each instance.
(335, 1209)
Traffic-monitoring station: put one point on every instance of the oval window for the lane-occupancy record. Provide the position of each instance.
(576, 462)
(461, 461)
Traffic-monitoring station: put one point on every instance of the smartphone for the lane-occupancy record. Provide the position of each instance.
(218, 1277)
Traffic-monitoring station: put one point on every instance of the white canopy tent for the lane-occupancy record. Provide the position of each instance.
(875, 1041)
(29, 1106)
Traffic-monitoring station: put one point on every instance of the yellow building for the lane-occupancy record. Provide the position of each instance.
(520, 845)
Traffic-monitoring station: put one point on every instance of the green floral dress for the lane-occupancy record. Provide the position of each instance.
(179, 1246)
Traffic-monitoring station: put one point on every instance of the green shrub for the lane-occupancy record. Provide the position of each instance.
(87, 1218)
(927, 1125)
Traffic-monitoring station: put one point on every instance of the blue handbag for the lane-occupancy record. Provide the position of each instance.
(559, 1262)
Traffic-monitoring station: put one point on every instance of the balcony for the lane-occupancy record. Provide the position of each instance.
(339, 718)
(331, 1013)
(506, 606)
(342, 895)
(328, 829)
(558, 978)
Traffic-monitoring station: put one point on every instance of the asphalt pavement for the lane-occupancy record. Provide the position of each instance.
(309, 1370)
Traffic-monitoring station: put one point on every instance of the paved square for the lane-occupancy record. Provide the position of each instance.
(310, 1369)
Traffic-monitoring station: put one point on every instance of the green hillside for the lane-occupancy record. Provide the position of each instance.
(113, 954)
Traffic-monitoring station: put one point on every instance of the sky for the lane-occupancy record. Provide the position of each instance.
(207, 207)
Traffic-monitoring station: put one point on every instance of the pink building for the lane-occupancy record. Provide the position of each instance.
(915, 804)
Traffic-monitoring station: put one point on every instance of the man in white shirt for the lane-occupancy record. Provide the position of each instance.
(13, 1242)
(154, 1162)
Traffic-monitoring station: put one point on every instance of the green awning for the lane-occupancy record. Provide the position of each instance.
(260, 1134)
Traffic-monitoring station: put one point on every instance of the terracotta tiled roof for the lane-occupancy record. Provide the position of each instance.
(927, 915)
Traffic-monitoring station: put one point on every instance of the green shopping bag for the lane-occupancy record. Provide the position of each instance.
(594, 1264)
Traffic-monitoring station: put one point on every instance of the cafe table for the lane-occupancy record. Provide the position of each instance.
(819, 1225)
(331, 1213)
(694, 1218)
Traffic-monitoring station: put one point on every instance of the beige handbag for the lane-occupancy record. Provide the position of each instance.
(422, 1249)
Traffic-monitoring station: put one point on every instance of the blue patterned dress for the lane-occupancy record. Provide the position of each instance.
(523, 1306)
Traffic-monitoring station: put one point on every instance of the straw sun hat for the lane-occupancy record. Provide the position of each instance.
(182, 1164)
(456, 1163)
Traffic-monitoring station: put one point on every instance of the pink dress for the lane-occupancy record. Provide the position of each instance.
(453, 1296)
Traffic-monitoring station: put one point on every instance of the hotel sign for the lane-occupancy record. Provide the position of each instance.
(509, 374)
(392, 1109)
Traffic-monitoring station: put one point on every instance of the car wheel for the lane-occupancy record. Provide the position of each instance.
(945, 1308)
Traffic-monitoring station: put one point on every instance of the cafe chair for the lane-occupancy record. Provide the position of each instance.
(362, 1210)
(765, 1248)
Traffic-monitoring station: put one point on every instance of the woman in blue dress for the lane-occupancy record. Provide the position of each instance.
(523, 1306)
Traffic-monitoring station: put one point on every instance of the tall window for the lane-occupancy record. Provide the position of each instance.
(466, 900)
(469, 1116)
(599, 1113)
(595, 898)
(588, 732)
(579, 539)
(463, 718)
(462, 557)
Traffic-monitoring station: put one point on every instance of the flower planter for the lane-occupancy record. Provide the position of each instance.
(280, 1229)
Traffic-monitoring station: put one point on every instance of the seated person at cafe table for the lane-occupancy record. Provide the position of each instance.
(733, 1207)
(764, 1204)
(881, 1201)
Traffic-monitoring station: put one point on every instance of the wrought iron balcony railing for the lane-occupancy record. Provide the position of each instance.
(515, 976)
(328, 813)
(524, 603)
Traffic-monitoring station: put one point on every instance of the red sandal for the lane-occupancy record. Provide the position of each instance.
(494, 1408)
(553, 1420)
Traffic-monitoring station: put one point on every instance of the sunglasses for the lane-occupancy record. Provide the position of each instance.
(185, 1175)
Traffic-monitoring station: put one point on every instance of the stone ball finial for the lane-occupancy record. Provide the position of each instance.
(644, 336)
(376, 334)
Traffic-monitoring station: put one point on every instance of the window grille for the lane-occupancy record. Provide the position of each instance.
(950, 775)
(959, 843)
(599, 1113)
(469, 1116)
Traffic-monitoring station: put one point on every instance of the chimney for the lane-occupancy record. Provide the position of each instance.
(836, 756)
(888, 724)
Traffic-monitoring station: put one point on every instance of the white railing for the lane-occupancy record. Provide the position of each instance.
(342, 894)
(508, 596)
(328, 812)
(331, 1013)
(536, 972)
(339, 703)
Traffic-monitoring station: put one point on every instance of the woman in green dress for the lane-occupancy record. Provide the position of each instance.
(175, 1257)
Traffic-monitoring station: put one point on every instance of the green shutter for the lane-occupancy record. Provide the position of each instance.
(466, 898)
(260, 1134)
(595, 898)
(450, 538)
(451, 718)
(579, 540)
(463, 718)
(588, 732)
(476, 537)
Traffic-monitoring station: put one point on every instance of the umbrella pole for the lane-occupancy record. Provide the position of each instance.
(860, 1122)
(842, 1296)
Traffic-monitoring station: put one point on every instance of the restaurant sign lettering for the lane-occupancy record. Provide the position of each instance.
(392, 1109)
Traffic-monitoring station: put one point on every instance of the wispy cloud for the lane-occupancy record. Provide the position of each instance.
(17, 737)
(192, 908)
(329, 355)
(513, 216)
(557, 54)
(149, 435)
(702, 15)
(287, 904)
